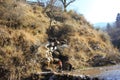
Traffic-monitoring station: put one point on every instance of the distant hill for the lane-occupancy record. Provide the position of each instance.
(100, 24)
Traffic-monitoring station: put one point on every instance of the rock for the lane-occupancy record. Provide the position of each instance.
(67, 66)
(95, 78)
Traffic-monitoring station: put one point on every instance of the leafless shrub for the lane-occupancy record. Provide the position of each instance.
(60, 32)
(105, 37)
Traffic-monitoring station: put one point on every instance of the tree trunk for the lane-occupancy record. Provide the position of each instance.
(64, 6)
(65, 9)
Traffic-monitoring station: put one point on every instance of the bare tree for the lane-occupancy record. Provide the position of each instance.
(49, 5)
(66, 3)
(41, 3)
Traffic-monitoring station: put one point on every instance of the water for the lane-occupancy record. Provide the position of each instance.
(104, 73)
(110, 75)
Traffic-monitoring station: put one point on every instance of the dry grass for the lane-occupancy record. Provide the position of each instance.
(16, 54)
(31, 30)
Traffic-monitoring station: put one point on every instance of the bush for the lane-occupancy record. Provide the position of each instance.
(57, 16)
(4, 73)
(9, 14)
(60, 32)
(65, 31)
(105, 37)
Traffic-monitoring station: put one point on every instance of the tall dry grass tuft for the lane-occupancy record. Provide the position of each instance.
(15, 16)
(18, 57)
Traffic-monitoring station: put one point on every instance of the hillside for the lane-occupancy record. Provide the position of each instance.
(25, 30)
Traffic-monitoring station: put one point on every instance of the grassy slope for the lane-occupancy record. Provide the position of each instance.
(22, 26)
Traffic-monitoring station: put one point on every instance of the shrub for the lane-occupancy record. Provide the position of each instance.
(16, 61)
(61, 32)
(105, 37)
(65, 31)
(57, 16)
(4, 73)
(9, 14)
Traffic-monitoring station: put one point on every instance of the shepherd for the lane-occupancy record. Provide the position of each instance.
(60, 65)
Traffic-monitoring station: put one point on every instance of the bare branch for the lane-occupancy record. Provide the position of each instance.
(70, 2)
(62, 1)
(66, 3)
(38, 2)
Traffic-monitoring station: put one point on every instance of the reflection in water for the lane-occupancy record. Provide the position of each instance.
(110, 75)
(104, 73)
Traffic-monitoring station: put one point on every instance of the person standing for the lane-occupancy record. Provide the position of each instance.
(60, 65)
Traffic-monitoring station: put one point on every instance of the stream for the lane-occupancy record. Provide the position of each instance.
(103, 73)
(110, 75)
(96, 73)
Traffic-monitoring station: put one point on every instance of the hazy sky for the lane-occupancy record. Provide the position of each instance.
(97, 10)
